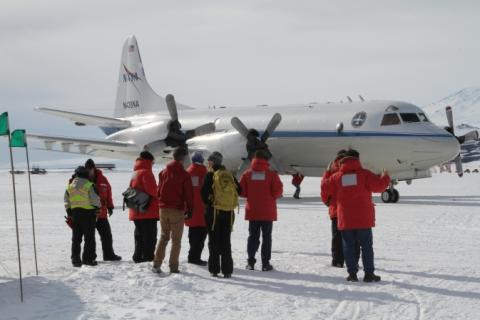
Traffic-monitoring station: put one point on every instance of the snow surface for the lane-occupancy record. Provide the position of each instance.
(426, 250)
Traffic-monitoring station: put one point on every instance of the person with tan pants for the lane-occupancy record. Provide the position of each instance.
(175, 193)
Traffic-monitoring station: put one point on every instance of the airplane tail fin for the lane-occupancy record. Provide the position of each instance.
(134, 94)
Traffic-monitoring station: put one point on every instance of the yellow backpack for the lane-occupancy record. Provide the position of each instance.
(225, 196)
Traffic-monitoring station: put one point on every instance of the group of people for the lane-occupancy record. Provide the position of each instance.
(205, 198)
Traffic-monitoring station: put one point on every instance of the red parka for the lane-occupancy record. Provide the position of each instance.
(197, 173)
(330, 200)
(262, 187)
(353, 186)
(105, 193)
(297, 179)
(175, 189)
(144, 180)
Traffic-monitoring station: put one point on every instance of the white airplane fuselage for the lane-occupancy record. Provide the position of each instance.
(307, 139)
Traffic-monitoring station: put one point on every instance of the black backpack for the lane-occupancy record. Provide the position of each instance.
(136, 200)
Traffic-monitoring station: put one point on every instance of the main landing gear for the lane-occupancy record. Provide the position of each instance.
(391, 195)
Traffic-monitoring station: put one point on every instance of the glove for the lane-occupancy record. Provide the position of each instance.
(69, 212)
(188, 215)
(69, 221)
(110, 212)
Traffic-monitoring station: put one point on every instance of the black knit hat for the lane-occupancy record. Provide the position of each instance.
(146, 155)
(89, 164)
(81, 172)
(216, 157)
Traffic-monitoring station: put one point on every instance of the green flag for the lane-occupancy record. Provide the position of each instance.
(19, 140)
(4, 129)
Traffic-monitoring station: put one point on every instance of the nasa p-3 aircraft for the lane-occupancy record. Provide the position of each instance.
(391, 135)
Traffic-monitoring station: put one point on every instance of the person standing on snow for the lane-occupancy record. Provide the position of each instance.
(103, 226)
(82, 204)
(330, 200)
(262, 187)
(145, 222)
(297, 179)
(175, 193)
(220, 195)
(197, 228)
(352, 186)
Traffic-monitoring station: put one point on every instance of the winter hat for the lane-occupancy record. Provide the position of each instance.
(197, 157)
(89, 164)
(81, 172)
(146, 155)
(216, 157)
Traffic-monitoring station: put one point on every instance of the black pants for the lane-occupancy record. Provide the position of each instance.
(337, 247)
(83, 227)
(254, 229)
(219, 245)
(145, 240)
(105, 232)
(296, 195)
(196, 237)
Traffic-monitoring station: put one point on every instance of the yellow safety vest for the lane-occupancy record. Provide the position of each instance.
(78, 197)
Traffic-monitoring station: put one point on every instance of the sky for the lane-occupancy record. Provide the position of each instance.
(66, 54)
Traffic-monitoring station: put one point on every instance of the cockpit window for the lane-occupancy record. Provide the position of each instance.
(409, 117)
(423, 117)
(390, 119)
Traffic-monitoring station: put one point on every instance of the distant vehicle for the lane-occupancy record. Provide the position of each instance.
(17, 171)
(109, 166)
(38, 170)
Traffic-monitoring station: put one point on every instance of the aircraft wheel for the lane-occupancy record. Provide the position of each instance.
(387, 196)
(395, 195)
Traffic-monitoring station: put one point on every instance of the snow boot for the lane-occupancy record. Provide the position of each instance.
(199, 262)
(352, 277)
(215, 275)
(156, 269)
(267, 267)
(227, 276)
(371, 277)
(337, 264)
(91, 263)
(76, 263)
(250, 264)
(113, 257)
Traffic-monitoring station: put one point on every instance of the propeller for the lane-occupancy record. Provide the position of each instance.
(175, 136)
(254, 141)
(472, 135)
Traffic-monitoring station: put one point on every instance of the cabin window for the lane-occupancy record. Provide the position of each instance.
(423, 117)
(409, 117)
(390, 119)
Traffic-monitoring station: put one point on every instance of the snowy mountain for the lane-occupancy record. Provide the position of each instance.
(466, 117)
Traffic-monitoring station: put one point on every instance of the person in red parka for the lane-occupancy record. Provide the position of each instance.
(103, 226)
(262, 187)
(197, 228)
(175, 197)
(352, 187)
(145, 222)
(297, 179)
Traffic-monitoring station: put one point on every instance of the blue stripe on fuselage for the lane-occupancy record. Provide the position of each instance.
(329, 134)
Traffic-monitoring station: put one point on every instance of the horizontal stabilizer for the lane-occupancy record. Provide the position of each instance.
(86, 119)
(83, 146)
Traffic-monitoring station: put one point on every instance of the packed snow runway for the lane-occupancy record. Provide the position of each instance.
(426, 250)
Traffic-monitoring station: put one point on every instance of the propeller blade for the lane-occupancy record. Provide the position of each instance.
(449, 113)
(272, 125)
(201, 130)
(243, 166)
(459, 166)
(239, 126)
(469, 136)
(172, 107)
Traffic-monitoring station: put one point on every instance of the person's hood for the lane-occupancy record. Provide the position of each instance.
(175, 166)
(98, 174)
(260, 164)
(143, 164)
(349, 164)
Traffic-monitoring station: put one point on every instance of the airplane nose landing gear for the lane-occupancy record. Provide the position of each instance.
(391, 195)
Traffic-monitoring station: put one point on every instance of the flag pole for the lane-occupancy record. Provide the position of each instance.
(31, 209)
(16, 217)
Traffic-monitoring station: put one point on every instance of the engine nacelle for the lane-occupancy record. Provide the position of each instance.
(143, 134)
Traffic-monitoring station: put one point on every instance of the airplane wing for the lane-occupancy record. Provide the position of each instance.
(84, 119)
(84, 146)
